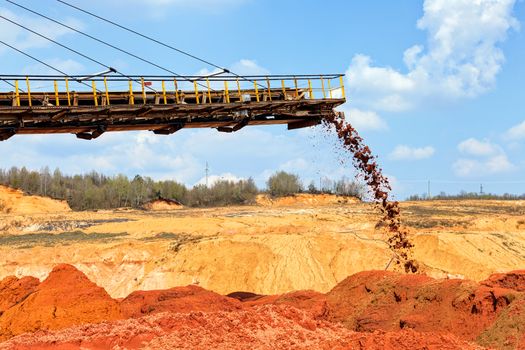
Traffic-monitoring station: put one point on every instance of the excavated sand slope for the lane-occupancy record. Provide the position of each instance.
(372, 310)
(16, 202)
(262, 249)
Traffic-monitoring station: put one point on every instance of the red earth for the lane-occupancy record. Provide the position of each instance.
(368, 310)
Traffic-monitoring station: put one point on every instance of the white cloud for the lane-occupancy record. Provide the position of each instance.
(461, 58)
(475, 147)
(365, 120)
(403, 152)
(248, 67)
(517, 132)
(490, 159)
(498, 164)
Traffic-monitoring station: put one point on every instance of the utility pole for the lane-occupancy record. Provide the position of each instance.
(481, 189)
(428, 189)
(207, 171)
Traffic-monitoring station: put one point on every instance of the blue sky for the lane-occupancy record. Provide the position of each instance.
(435, 87)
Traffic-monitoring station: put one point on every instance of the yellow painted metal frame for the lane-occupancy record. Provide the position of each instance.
(95, 96)
(131, 95)
(67, 93)
(177, 99)
(57, 100)
(107, 92)
(196, 92)
(143, 91)
(269, 89)
(164, 98)
(256, 91)
(28, 92)
(209, 90)
(17, 94)
(226, 92)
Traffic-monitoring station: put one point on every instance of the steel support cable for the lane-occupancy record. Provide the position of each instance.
(41, 62)
(70, 49)
(157, 41)
(104, 43)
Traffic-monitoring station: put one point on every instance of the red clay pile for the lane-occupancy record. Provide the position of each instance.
(379, 186)
(372, 310)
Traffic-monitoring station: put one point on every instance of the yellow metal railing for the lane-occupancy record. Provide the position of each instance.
(187, 89)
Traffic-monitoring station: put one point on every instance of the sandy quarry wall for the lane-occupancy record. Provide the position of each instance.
(16, 202)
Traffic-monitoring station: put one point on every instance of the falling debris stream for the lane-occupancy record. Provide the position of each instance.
(380, 188)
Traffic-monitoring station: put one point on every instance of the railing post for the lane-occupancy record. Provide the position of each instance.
(143, 91)
(164, 93)
(239, 90)
(310, 89)
(107, 92)
(67, 93)
(131, 95)
(209, 90)
(322, 86)
(269, 89)
(284, 88)
(17, 94)
(342, 86)
(95, 97)
(256, 90)
(57, 100)
(177, 100)
(296, 88)
(196, 92)
(330, 88)
(29, 92)
(226, 91)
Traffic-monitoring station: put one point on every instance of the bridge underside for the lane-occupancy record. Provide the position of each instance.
(88, 121)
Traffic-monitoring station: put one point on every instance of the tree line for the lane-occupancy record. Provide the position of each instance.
(98, 191)
(466, 195)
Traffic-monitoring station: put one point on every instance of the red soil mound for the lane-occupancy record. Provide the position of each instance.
(387, 309)
(260, 327)
(311, 301)
(66, 298)
(179, 299)
(511, 280)
(14, 290)
(389, 301)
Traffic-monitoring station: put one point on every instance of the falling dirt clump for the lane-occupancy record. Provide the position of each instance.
(13, 290)
(389, 301)
(65, 298)
(179, 299)
(379, 187)
(261, 327)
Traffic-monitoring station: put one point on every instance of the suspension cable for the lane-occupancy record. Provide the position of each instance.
(41, 62)
(103, 42)
(70, 49)
(225, 70)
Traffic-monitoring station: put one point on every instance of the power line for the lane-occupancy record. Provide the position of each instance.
(156, 41)
(102, 41)
(68, 48)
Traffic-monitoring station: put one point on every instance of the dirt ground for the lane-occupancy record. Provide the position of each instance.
(307, 243)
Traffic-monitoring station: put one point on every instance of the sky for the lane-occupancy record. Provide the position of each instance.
(435, 87)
